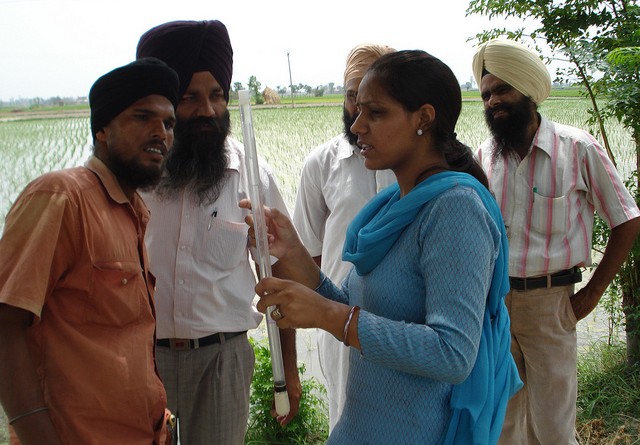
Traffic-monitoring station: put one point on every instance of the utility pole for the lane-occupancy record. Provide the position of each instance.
(290, 80)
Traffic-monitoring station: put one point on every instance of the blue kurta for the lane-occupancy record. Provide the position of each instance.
(423, 308)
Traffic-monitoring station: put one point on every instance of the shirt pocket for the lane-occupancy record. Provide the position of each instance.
(117, 294)
(550, 215)
(225, 244)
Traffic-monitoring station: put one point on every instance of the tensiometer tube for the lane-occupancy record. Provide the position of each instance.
(262, 244)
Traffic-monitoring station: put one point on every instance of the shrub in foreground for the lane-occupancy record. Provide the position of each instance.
(310, 426)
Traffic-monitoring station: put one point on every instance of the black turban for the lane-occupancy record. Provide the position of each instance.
(190, 47)
(114, 92)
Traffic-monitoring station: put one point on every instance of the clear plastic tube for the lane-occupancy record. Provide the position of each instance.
(262, 244)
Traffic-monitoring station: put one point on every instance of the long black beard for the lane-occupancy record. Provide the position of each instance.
(348, 121)
(510, 132)
(198, 160)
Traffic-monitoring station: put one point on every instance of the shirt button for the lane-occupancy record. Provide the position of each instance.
(124, 281)
(180, 281)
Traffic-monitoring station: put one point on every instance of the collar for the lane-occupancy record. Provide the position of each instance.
(235, 154)
(107, 178)
(345, 149)
(113, 189)
(543, 139)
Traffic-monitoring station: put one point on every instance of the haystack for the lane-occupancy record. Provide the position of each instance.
(270, 96)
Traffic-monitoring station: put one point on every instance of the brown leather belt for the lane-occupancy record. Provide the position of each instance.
(562, 278)
(184, 344)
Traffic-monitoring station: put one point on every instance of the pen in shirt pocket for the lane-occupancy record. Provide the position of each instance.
(213, 215)
(535, 190)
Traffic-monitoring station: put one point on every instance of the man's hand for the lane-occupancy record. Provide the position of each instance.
(294, 391)
(584, 302)
(20, 391)
(620, 242)
(290, 362)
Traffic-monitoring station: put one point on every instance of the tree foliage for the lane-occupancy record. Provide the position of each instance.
(254, 88)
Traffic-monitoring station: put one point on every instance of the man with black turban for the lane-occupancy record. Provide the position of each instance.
(334, 186)
(197, 241)
(547, 178)
(76, 296)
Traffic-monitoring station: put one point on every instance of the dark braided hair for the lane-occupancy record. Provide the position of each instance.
(414, 78)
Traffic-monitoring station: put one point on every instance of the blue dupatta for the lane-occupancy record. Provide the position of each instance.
(479, 403)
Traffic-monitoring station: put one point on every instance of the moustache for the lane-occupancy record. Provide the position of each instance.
(198, 125)
(157, 143)
(500, 107)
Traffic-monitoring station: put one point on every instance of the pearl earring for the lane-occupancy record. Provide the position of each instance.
(419, 132)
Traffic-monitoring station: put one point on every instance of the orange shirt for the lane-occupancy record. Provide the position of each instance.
(73, 254)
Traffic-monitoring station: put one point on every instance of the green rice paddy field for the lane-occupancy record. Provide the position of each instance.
(284, 136)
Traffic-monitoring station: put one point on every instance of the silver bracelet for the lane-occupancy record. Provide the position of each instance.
(345, 331)
(28, 413)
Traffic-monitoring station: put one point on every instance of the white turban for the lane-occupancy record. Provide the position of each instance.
(516, 64)
(361, 57)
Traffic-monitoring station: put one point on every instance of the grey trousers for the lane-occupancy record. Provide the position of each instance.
(208, 390)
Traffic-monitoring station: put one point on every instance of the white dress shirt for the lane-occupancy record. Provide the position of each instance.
(199, 254)
(334, 186)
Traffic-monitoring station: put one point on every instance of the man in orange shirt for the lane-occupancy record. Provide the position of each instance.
(77, 318)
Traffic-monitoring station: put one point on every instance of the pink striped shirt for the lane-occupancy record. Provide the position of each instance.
(548, 199)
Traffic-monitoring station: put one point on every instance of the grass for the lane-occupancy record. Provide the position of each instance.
(48, 108)
(608, 397)
(313, 100)
(329, 99)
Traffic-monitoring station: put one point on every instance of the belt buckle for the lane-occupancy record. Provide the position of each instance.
(179, 344)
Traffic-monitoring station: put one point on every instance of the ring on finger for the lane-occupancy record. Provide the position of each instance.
(276, 314)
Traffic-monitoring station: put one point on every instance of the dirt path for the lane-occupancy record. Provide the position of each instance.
(28, 114)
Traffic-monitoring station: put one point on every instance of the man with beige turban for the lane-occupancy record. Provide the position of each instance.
(548, 179)
(334, 186)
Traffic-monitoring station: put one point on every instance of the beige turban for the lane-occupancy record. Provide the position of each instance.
(361, 57)
(516, 64)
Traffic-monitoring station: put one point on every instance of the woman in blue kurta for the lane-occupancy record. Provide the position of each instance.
(423, 307)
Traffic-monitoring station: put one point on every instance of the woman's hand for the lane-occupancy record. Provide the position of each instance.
(294, 262)
(300, 306)
(281, 233)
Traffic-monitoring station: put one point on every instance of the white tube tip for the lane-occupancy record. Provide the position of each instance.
(282, 403)
(243, 97)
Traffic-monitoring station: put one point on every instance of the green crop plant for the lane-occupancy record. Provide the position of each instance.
(309, 426)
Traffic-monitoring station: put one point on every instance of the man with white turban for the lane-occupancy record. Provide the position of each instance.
(334, 186)
(548, 178)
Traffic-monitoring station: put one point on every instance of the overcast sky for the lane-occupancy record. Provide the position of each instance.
(60, 47)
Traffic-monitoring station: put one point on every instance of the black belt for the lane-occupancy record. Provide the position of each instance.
(183, 344)
(562, 278)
